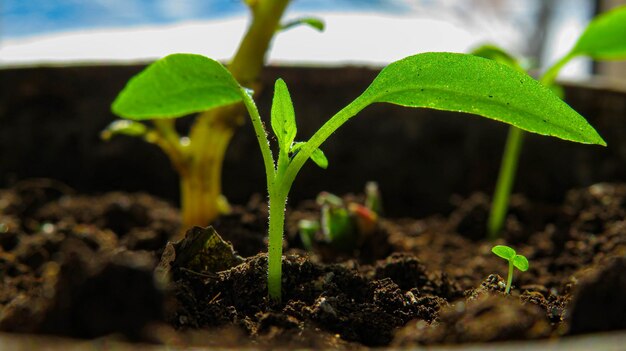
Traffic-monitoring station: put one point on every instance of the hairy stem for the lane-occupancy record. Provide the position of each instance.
(277, 199)
(275, 247)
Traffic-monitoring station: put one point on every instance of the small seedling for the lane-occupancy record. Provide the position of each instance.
(518, 261)
(344, 225)
(603, 39)
(307, 229)
(443, 81)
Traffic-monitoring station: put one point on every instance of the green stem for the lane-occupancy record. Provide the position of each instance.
(320, 136)
(509, 278)
(504, 185)
(549, 76)
(277, 201)
(261, 136)
(275, 247)
(510, 158)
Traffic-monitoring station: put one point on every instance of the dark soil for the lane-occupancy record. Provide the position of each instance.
(89, 266)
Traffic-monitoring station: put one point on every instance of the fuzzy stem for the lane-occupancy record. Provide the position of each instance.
(275, 247)
(277, 191)
(509, 278)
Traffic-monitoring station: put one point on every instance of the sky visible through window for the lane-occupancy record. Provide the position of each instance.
(32, 17)
(358, 31)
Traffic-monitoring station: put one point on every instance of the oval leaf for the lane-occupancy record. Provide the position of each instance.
(283, 119)
(503, 251)
(520, 262)
(605, 37)
(175, 86)
(471, 84)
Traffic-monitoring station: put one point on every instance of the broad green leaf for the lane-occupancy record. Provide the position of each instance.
(503, 251)
(124, 127)
(283, 118)
(312, 22)
(317, 156)
(605, 37)
(495, 53)
(175, 86)
(471, 84)
(520, 262)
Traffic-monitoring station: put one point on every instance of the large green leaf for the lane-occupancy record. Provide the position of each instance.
(175, 86)
(605, 37)
(471, 84)
(283, 118)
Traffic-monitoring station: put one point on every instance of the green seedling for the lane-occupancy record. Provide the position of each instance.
(443, 81)
(307, 228)
(198, 157)
(336, 223)
(344, 226)
(373, 200)
(603, 39)
(518, 261)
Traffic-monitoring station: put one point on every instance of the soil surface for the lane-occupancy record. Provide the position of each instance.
(90, 266)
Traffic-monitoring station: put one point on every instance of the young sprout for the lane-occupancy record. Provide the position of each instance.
(603, 39)
(373, 200)
(443, 81)
(344, 226)
(337, 225)
(307, 229)
(518, 261)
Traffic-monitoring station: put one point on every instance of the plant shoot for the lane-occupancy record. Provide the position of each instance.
(515, 261)
(603, 39)
(444, 81)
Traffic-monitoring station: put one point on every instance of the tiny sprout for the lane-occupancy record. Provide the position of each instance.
(307, 229)
(372, 198)
(343, 225)
(518, 261)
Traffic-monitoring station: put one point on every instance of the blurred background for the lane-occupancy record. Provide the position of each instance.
(369, 32)
(63, 62)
